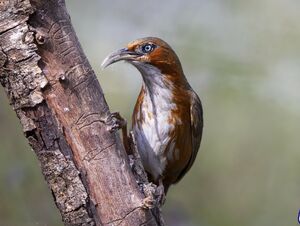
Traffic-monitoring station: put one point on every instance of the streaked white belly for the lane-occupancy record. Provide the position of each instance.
(153, 134)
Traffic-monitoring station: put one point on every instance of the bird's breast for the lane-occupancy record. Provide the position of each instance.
(153, 124)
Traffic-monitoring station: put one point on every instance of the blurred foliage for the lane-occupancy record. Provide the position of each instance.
(243, 59)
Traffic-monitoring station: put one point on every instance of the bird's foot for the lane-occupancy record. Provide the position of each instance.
(155, 196)
(115, 122)
(149, 202)
(152, 203)
(160, 194)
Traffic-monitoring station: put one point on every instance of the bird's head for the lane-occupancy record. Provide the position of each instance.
(147, 54)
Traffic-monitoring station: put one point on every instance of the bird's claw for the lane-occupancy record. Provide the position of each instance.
(155, 196)
(115, 122)
(160, 194)
(149, 202)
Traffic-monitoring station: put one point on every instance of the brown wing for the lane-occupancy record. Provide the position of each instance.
(196, 114)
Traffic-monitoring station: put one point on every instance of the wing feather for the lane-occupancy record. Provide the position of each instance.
(196, 116)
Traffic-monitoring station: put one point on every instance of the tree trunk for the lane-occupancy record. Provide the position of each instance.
(61, 106)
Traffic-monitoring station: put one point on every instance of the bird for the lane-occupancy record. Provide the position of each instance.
(167, 120)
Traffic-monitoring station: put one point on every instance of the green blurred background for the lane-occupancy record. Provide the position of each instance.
(242, 58)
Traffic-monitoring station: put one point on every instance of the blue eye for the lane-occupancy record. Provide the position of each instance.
(147, 48)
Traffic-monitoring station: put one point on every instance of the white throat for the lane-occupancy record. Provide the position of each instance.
(156, 86)
(153, 135)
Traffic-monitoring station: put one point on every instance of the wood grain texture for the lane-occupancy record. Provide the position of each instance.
(61, 107)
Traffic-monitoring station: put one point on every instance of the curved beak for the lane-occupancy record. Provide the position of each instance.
(121, 54)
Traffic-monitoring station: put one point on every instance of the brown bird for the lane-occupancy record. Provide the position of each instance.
(167, 120)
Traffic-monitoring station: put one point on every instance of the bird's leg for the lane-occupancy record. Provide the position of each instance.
(149, 202)
(160, 193)
(155, 195)
(152, 203)
(115, 122)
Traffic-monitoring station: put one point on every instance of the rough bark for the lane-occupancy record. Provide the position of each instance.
(61, 106)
